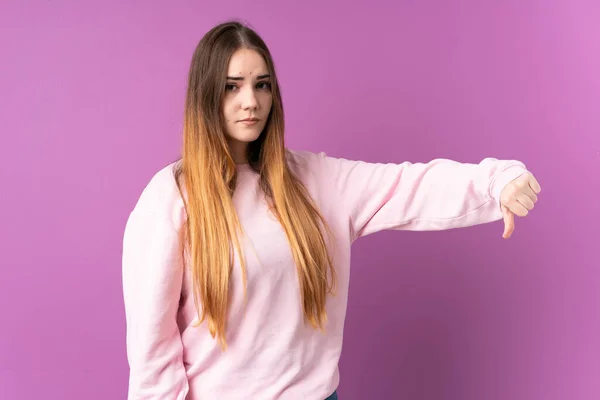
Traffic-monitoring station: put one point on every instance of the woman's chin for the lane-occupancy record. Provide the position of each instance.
(245, 137)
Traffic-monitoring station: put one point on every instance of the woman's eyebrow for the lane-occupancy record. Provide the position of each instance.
(241, 78)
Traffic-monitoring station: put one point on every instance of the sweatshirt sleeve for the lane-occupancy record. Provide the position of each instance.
(441, 194)
(152, 280)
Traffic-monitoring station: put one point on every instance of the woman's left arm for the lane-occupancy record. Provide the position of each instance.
(441, 194)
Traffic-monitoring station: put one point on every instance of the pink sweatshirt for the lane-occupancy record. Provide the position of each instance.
(272, 353)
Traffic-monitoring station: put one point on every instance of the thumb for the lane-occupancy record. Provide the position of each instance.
(509, 222)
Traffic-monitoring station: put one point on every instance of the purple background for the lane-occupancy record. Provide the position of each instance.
(91, 105)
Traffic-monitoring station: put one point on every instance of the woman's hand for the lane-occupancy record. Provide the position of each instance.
(518, 198)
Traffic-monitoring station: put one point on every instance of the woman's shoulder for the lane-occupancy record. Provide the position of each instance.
(161, 196)
(304, 162)
(316, 166)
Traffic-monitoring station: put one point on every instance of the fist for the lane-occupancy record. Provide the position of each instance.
(518, 198)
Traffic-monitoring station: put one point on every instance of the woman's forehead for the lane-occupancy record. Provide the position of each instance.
(246, 63)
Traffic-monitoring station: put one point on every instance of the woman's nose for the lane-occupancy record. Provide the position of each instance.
(249, 100)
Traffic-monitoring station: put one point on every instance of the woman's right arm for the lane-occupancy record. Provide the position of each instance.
(152, 280)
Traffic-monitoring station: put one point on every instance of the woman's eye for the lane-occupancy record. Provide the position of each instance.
(263, 85)
(230, 87)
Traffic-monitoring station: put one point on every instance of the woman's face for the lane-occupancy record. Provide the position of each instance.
(247, 101)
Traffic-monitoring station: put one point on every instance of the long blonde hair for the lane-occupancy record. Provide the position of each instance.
(206, 178)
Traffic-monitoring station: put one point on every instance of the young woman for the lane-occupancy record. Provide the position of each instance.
(236, 258)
